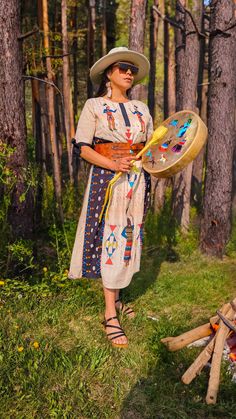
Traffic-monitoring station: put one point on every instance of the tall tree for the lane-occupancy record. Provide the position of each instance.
(68, 110)
(169, 64)
(12, 116)
(90, 41)
(75, 58)
(198, 164)
(154, 21)
(104, 28)
(216, 222)
(187, 66)
(51, 109)
(137, 33)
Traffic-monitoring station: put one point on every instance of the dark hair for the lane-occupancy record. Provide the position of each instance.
(102, 90)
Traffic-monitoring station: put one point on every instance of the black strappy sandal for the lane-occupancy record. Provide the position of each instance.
(116, 335)
(127, 311)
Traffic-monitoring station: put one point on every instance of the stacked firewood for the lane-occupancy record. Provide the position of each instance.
(219, 328)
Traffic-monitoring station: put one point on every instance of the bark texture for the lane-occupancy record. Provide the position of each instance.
(12, 116)
(187, 65)
(154, 22)
(216, 222)
(51, 111)
(91, 42)
(137, 33)
(68, 110)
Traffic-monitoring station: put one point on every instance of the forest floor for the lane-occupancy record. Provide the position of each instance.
(55, 361)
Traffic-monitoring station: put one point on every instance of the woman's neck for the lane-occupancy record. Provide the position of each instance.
(118, 95)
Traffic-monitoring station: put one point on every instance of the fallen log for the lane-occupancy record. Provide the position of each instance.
(214, 380)
(223, 326)
(202, 359)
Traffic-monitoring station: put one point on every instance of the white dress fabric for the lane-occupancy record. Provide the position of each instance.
(112, 249)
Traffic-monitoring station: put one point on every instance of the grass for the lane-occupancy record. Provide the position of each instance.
(75, 373)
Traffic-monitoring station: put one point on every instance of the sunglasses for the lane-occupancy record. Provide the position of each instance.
(127, 66)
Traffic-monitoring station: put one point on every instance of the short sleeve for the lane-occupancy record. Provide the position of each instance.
(87, 124)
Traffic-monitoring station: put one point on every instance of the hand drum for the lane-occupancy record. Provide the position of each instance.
(186, 136)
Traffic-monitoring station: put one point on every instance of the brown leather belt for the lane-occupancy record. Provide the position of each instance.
(115, 151)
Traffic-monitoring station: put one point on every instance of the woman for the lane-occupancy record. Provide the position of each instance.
(111, 130)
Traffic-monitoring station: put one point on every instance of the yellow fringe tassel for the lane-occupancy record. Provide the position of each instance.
(158, 134)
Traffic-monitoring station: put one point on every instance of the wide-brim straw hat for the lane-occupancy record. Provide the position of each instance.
(120, 54)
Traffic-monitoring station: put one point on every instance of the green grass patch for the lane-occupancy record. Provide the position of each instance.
(55, 360)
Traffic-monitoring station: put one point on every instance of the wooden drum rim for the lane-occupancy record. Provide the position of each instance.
(188, 155)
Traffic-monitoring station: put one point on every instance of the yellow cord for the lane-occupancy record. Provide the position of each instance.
(157, 135)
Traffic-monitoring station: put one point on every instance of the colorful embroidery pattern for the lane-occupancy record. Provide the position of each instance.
(127, 233)
(139, 115)
(128, 136)
(111, 245)
(131, 180)
(110, 118)
(93, 235)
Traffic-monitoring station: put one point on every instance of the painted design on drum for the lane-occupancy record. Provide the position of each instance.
(151, 158)
(162, 159)
(174, 122)
(127, 233)
(178, 147)
(164, 147)
(110, 118)
(184, 128)
(111, 245)
(139, 115)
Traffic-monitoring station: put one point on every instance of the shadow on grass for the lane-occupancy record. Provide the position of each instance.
(160, 238)
(162, 395)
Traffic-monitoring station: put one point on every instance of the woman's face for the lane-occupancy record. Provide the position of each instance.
(123, 79)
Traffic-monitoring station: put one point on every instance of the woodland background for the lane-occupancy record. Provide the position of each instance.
(46, 49)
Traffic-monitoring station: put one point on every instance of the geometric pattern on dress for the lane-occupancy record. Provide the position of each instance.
(93, 235)
(128, 136)
(131, 180)
(127, 233)
(139, 236)
(111, 244)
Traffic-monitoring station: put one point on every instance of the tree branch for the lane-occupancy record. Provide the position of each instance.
(167, 19)
(222, 32)
(184, 9)
(47, 82)
(28, 34)
(58, 56)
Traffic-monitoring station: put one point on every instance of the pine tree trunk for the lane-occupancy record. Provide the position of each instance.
(12, 117)
(104, 28)
(51, 111)
(154, 20)
(198, 164)
(37, 133)
(187, 67)
(75, 61)
(91, 42)
(216, 222)
(137, 34)
(68, 115)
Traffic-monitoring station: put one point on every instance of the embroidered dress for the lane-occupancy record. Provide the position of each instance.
(111, 249)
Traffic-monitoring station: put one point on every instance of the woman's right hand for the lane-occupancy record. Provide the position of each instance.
(123, 164)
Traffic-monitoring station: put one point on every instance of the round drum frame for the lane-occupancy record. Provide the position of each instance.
(178, 161)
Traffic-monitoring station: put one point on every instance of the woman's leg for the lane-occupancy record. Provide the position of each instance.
(110, 311)
(122, 307)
